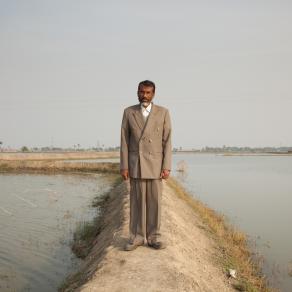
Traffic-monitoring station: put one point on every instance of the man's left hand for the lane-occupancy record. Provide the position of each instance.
(165, 174)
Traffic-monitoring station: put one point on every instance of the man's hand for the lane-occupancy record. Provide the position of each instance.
(125, 174)
(165, 174)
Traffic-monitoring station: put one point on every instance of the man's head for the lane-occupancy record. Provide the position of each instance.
(146, 92)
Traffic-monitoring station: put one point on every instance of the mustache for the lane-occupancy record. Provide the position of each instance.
(144, 99)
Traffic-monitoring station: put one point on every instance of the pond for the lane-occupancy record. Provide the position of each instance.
(38, 216)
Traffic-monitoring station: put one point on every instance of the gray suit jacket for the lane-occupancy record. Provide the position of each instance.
(145, 146)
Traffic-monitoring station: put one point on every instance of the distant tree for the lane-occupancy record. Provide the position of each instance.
(24, 149)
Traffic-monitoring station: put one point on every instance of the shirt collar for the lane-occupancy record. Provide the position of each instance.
(148, 108)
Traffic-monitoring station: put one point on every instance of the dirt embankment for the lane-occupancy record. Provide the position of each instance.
(189, 262)
(57, 155)
(53, 166)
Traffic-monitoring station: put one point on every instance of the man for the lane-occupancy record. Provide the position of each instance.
(145, 160)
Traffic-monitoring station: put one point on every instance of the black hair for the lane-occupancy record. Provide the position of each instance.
(147, 83)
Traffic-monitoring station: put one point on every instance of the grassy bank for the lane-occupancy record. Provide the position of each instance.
(233, 251)
(57, 166)
(87, 232)
(92, 238)
(58, 155)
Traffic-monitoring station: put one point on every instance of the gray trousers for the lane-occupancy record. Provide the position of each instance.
(145, 209)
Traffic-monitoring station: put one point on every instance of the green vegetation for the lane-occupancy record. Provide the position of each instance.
(99, 230)
(86, 232)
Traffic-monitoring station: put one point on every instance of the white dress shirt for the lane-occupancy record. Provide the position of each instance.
(146, 111)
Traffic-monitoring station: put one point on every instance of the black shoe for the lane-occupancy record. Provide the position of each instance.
(157, 244)
(131, 246)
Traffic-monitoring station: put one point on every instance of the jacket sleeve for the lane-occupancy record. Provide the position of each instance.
(166, 142)
(125, 134)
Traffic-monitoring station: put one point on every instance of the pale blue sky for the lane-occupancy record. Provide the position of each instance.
(223, 68)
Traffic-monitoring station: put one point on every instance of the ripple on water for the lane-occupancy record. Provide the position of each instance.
(37, 229)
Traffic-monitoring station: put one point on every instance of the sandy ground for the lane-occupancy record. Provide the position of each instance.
(187, 263)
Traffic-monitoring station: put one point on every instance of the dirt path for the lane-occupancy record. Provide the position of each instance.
(187, 264)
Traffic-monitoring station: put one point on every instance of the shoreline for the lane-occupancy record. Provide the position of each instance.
(230, 248)
(55, 166)
(41, 156)
(89, 155)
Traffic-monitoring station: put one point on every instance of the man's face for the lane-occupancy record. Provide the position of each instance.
(145, 95)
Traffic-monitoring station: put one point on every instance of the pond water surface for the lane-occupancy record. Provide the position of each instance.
(38, 215)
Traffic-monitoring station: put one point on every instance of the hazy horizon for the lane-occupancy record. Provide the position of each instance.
(69, 68)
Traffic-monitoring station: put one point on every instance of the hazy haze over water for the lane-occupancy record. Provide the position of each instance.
(68, 68)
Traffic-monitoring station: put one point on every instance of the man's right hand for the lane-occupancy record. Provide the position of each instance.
(125, 174)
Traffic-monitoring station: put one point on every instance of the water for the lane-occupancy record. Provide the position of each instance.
(38, 215)
(255, 192)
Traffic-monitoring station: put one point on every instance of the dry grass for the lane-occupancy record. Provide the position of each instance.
(10, 156)
(232, 244)
(57, 166)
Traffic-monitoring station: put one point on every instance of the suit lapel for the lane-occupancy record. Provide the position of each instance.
(151, 118)
(140, 120)
(138, 117)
